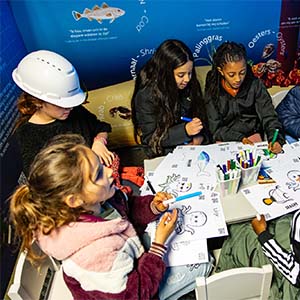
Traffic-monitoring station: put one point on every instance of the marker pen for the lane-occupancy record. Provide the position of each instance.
(274, 137)
(183, 197)
(186, 119)
(150, 185)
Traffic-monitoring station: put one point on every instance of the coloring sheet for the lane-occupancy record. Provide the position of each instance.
(286, 173)
(282, 197)
(271, 200)
(296, 145)
(189, 168)
(186, 252)
(182, 252)
(268, 158)
(184, 171)
(198, 218)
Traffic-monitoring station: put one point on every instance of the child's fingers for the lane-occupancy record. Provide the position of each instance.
(169, 219)
(162, 196)
(174, 214)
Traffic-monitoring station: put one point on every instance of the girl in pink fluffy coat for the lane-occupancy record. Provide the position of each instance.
(72, 209)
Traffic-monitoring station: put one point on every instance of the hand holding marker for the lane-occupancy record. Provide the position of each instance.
(183, 197)
(273, 140)
(274, 137)
(186, 119)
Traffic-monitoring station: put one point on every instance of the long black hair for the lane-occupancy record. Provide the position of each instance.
(157, 75)
(225, 53)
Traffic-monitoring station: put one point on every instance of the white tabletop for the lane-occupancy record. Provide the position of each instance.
(236, 207)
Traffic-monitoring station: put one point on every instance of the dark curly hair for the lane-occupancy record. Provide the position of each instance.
(225, 53)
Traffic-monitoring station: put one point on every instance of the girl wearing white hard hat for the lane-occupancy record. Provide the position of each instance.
(51, 104)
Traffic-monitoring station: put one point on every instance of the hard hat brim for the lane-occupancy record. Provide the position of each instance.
(65, 102)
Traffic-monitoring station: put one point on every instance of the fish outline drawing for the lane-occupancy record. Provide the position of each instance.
(294, 177)
(105, 12)
(202, 162)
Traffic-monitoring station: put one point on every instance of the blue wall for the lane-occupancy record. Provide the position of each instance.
(11, 51)
(114, 50)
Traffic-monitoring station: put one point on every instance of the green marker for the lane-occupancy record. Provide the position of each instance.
(274, 137)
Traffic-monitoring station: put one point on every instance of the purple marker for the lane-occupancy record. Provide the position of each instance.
(186, 119)
(251, 159)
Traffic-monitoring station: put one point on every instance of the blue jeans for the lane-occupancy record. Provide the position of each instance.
(181, 280)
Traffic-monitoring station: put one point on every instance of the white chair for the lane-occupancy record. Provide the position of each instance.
(44, 282)
(236, 284)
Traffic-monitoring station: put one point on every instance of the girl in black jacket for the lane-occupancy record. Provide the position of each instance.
(167, 89)
(239, 106)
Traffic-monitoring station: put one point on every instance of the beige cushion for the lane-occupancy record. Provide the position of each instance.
(102, 100)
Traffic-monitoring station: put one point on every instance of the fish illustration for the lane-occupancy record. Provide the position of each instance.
(202, 162)
(97, 13)
(268, 50)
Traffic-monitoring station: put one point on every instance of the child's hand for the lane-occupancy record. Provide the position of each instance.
(276, 148)
(246, 141)
(165, 227)
(106, 157)
(259, 225)
(197, 140)
(158, 201)
(193, 127)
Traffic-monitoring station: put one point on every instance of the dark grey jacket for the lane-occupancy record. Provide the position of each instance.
(250, 111)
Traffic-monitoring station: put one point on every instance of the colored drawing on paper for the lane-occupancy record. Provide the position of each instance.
(188, 220)
(183, 186)
(202, 162)
(175, 184)
(277, 195)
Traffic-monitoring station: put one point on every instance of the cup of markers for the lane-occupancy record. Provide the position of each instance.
(250, 165)
(228, 177)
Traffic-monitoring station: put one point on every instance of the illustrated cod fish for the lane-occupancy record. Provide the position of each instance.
(97, 13)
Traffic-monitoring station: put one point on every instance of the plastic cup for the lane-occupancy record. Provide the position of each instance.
(229, 186)
(249, 175)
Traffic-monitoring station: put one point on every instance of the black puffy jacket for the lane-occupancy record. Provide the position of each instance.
(288, 111)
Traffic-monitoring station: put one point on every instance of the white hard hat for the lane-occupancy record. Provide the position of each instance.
(49, 77)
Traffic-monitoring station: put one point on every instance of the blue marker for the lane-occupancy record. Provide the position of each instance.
(186, 119)
(183, 197)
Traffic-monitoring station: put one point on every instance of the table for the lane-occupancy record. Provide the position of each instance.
(236, 207)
